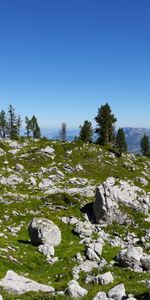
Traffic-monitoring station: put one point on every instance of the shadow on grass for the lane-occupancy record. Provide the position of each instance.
(88, 209)
(24, 242)
(144, 296)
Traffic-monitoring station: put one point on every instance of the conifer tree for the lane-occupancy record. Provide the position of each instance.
(145, 145)
(28, 129)
(3, 124)
(34, 127)
(12, 123)
(120, 143)
(86, 132)
(63, 132)
(105, 125)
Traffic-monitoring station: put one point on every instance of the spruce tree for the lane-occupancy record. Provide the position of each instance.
(120, 143)
(34, 127)
(145, 145)
(105, 125)
(28, 127)
(3, 124)
(86, 132)
(63, 132)
(12, 123)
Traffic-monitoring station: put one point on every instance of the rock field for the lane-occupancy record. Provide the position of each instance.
(74, 222)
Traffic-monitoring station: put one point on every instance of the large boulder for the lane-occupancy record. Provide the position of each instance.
(19, 284)
(75, 290)
(113, 192)
(131, 257)
(43, 231)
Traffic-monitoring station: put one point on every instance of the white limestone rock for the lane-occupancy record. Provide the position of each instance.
(100, 296)
(117, 292)
(104, 279)
(19, 284)
(48, 150)
(74, 290)
(43, 231)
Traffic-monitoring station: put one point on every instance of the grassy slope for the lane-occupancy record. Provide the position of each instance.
(98, 165)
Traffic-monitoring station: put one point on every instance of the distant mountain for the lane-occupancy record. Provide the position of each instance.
(54, 133)
(134, 136)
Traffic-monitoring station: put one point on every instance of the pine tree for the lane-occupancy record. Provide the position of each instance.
(63, 132)
(12, 123)
(105, 125)
(34, 127)
(120, 143)
(28, 127)
(86, 132)
(3, 124)
(145, 145)
(18, 125)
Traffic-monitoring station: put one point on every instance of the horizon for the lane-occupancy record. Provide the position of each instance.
(62, 60)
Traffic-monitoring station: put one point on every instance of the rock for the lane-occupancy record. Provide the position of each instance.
(130, 257)
(47, 250)
(2, 152)
(91, 255)
(43, 231)
(145, 261)
(117, 292)
(104, 279)
(83, 229)
(19, 167)
(75, 290)
(47, 150)
(100, 296)
(111, 193)
(142, 180)
(19, 284)
(1, 298)
(32, 181)
(78, 168)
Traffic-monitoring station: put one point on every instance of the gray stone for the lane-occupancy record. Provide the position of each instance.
(104, 279)
(130, 257)
(43, 231)
(75, 290)
(145, 261)
(117, 292)
(19, 284)
(100, 296)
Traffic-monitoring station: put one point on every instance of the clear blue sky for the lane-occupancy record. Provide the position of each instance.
(62, 59)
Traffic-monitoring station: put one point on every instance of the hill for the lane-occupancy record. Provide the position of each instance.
(74, 222)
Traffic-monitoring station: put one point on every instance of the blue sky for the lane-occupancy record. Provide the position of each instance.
(62, 59)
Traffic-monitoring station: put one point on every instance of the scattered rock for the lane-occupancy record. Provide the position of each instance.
(75, 290)
(19, 284)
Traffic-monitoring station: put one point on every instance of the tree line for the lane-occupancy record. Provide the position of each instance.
(10, 125)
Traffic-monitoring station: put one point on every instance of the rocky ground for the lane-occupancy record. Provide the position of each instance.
(74, 222)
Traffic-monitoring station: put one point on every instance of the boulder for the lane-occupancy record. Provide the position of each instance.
(43, 231)
(19, 284)
(130, 257)
(145, 262)
(75, 290)
(104, 279)
(100, 296)
(48, 150)
(117, 292)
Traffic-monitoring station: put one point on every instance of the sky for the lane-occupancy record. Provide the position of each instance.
(62, 59)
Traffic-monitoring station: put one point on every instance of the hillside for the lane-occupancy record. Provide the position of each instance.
(99, 204)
